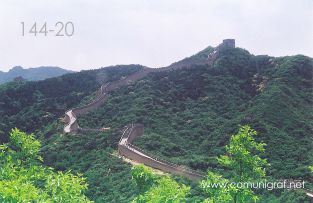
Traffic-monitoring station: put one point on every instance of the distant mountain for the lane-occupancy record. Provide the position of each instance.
(39, 73)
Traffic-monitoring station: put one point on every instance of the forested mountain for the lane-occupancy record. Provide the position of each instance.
(32, 74)
(189, 115)
(32, 105)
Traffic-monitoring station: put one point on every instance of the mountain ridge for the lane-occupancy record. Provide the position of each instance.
(32, 74)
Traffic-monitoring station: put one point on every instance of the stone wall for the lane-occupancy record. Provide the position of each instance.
(136, 154)
(102, 94)
(125, 147)
(92, 106)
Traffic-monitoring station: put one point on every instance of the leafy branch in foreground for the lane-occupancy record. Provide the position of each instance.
(24, 179)
(157, 189)
(245, 165)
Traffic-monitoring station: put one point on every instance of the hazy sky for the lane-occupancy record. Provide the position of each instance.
(154, 33)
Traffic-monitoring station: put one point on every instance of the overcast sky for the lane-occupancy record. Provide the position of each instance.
(154, 33)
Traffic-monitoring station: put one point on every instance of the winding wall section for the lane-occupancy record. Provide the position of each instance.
(125, 147)
(71, 115)
(130, 132)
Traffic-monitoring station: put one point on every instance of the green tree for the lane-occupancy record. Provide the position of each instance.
(143, 177)
(245, 165)
(217, 193)
(24, 179)
(155, 189)
(310, 168)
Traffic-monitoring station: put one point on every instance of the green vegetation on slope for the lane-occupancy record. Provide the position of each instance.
(32, 105)
(242, 160)
(206, 104)
(188, 116)
(94, 155)
(245, 164)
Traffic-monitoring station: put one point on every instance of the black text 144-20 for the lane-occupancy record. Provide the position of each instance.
(59, 29)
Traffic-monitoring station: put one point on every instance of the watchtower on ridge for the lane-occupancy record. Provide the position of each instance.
(229, 43)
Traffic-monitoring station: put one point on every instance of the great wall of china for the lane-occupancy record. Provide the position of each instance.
(125, 148)
(71, 115)
(130, 132)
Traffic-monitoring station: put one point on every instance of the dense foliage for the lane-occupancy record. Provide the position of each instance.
(245, 166)
(157, 189)
(241, 159)
(188, 115)
(204, 105)
(95, 156)
(24, 179)
(31, 105)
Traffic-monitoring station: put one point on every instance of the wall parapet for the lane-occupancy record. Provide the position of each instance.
(132, 152)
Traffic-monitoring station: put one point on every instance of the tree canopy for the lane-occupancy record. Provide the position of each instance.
(245, 166)
(157, 189)
(23, 178)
